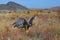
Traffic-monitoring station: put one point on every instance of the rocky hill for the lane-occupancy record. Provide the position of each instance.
(12, 6)
(55, 8)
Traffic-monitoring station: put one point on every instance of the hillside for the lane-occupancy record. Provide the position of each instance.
(12, 6)
(55, 8)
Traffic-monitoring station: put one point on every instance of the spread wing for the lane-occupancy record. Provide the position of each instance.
(31, 20)
(19, 22)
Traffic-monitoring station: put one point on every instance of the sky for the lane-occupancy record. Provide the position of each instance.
(35, 3)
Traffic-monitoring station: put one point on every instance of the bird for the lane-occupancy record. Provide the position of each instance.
(22, 23)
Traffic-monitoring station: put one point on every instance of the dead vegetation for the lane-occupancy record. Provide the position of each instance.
(45, 27)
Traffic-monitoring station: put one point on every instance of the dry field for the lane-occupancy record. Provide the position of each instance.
(45, 27)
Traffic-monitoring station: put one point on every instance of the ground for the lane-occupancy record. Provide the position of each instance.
(45, 27)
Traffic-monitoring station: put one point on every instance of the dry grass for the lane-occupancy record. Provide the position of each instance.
(46, 27)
